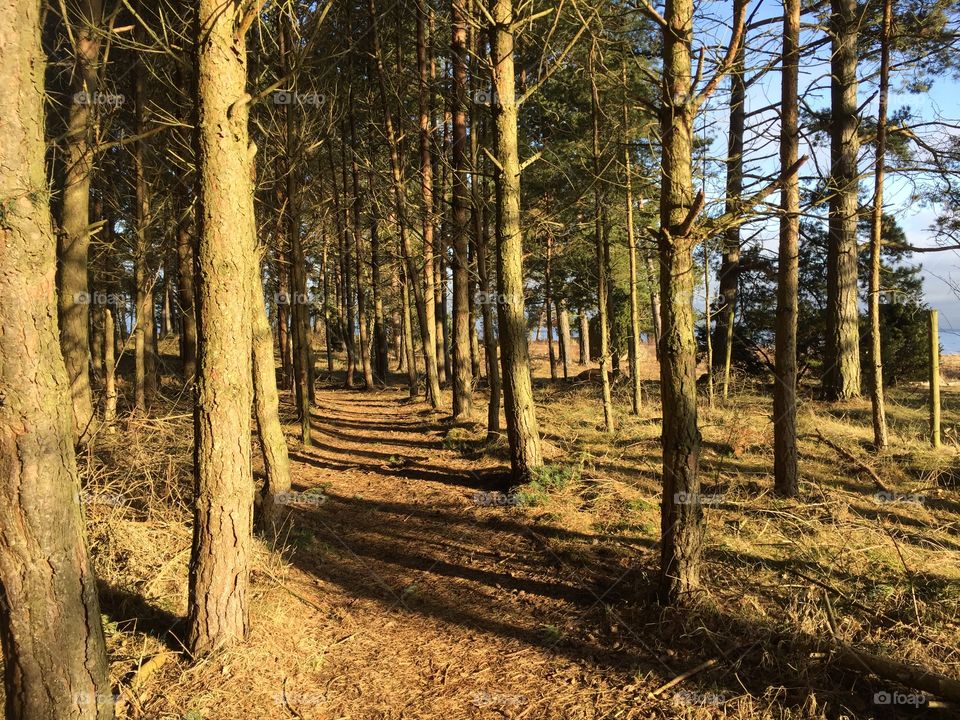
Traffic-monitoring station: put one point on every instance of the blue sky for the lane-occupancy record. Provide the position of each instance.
(939, 269)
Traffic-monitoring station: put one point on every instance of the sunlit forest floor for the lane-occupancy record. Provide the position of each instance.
(410, 582)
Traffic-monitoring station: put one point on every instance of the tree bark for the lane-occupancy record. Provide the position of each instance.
(730, 264)
(218, 613)
(634, 339)
(548, 304)
(460, 225)
(876, 239)
(785, 389)
(73, 242)
(602, 250)
(185, 294)
(841, 378)
(266, 406)
(428, 341)
(584, 339)
(681, 512)
(55, 663)
(563, 320)
(522, 430)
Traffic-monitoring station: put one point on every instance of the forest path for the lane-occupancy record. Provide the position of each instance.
(427, 603)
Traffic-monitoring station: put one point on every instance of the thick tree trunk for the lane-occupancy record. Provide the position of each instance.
(381, 360)
(346, 266)
(73, 243)
(223, 517)
(55, 664)
(785, 389)
(876, 239)
(681, 512)
(841, 379)
(730, 264)
(602, 250)
(522, 430)
(460, 223)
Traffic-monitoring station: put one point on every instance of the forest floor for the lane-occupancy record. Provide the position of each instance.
(409, 582)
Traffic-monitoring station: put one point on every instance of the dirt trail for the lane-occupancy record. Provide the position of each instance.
(428, 604)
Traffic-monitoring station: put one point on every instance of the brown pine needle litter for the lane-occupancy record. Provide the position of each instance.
(424, 586)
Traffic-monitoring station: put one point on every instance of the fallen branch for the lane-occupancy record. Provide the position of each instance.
(850, 457)
(908, 675)
(684, 676)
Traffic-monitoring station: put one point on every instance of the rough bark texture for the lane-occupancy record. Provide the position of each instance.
(223, 517)
(584, 338)
(681, 512)
(841, 379)
(55, 665)
(563, 321)
(785, 388)
(522, 430)
(934, 379)
(73, 243)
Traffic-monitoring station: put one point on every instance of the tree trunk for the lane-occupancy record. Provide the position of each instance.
(55, 663)
(73, 243)
(563, 320)
(185, 295)
(429, 343)
(548, 304)
(876, 239)
(841, 378)
(223, 517)
(266, 405)
(730, 264)
(522, 430)
(584, 339)
(785, 389)
(654, 304)
(460, 227)
(381, 361)
(603, 262)
(634, 338)
(681, 513)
